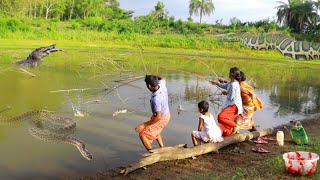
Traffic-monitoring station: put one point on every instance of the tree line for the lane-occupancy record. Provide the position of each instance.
(63, 9)
(295, 16)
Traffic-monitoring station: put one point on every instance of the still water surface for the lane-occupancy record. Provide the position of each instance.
(289, 90)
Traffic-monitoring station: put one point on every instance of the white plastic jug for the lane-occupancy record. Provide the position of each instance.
(280, 138)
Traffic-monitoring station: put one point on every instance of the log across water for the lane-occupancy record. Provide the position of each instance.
(181, 152)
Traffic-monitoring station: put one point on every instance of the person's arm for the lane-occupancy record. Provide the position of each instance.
(222, 85)
(154, 119)
(200, 124)
(160, 77)
(162, 80)
(222, 80)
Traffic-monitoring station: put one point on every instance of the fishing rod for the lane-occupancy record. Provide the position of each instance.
(187, 72)
(127, 82)
(206, 66)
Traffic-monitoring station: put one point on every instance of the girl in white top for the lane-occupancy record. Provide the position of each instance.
(208, 131)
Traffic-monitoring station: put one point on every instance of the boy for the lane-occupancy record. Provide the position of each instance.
(160, 117)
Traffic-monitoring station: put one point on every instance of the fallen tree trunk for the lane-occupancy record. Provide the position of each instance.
(181, 152)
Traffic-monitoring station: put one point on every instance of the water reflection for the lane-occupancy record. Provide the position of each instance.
(295, 98)
(287, 90)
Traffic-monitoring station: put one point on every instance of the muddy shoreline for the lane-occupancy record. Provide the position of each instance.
(225, 165)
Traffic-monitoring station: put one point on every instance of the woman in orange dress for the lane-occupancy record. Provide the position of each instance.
(250, 103)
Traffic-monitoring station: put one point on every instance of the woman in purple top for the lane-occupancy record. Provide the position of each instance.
(160, 117)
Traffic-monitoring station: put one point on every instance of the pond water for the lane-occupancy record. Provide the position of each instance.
(289, 90)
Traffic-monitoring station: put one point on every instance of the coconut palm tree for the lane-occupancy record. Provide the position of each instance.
(297, 14)
(306, 16)
(284, 12)
(160, 11)
(201, 7)
(317, 4)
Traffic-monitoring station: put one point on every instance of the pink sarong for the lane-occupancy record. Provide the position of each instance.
(152, 131)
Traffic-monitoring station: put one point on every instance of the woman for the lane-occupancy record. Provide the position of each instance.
(233, 104)
(250, 103)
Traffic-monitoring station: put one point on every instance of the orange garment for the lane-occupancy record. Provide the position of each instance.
(152, 131)
(250, 103)
(226, 119)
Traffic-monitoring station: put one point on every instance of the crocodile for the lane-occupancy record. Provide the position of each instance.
(36, 57)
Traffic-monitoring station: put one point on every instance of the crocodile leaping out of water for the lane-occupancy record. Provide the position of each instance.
(36, 57)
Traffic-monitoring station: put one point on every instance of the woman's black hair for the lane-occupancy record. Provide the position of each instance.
(243, 76)
(152, 80)
(204, 105)
(235, 71)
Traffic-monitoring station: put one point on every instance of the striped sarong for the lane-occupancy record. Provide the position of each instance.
(152, 131)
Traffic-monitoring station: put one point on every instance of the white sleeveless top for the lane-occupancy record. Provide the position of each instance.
(211, 128)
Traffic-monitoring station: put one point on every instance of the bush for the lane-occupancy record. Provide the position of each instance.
(74, 25)
(199, 30)
(15, 25)
(53, 26)
(125, 27)
(94, 23)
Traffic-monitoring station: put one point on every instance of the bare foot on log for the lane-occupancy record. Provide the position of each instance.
(235, 130)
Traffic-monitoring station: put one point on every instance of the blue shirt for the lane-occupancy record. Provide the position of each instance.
(159, 99)
(233, 96)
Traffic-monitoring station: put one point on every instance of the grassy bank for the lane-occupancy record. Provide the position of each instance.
(87, 32)
(31, 33)
(193, 45)
(166, 41)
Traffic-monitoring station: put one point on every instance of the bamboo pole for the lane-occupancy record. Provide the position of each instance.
(207, 66)
(186, 72)
(27, 72)
(116, 87)
(141, 56)
(68, 90)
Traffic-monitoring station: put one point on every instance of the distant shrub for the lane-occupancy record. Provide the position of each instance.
(55, 19)
(125, 27)
(199, 30)
(74, 25)
(15, 25)
(53, 26)
(94, 23)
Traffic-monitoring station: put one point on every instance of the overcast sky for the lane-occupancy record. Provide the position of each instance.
(245, 10)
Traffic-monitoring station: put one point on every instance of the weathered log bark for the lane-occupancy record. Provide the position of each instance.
(181, 152)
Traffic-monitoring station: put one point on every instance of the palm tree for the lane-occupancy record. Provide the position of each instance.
(317, 4)
(297, 14)
(201, 7)
(284, 12)
(306, 16)
(160, 11)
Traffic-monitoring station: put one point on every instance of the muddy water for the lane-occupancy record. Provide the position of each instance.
(289, 90)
